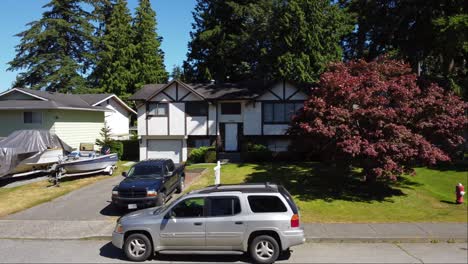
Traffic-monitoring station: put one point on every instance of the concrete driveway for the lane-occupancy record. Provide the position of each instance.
(88, 203)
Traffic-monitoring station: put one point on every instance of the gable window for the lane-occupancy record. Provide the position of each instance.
(32, 117)
(196, 108)
(231, 109)
(157, 109)
(280, 113)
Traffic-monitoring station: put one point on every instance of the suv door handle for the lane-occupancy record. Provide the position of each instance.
(239, 223)
(198, 223)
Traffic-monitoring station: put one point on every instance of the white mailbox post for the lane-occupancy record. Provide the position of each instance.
(217, 170)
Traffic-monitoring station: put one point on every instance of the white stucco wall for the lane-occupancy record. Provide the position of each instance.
(118, 119)
(212, 119)
(141, 119)
(275, 129)
(176, 118)
(157, 125)
(196, 125)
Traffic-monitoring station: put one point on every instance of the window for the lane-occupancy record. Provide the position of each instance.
(192, 207)
(266, 204)
(170, 166)
(32, 117)
(224, 206)
(196, 108)
(231, 109)
(278, 145)
(157, 109)
(280, 113)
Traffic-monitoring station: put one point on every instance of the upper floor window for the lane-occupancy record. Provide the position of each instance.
(280, 113)
(157, 109)
(32, 117)
(230, 108)
(196, 108)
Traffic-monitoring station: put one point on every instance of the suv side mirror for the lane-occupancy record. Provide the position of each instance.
(124, 173)
(169, 174)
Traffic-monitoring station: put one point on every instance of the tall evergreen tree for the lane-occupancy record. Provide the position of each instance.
(54, 51)
(267, 39)
(113, 69)
(431, 35)
(101, 15)
(148, 60)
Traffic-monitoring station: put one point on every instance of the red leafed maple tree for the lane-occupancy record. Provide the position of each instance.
(376, 116)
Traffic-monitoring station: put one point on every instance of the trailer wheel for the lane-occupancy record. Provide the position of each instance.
(111, 171)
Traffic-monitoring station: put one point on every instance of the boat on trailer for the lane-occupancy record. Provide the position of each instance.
(29, 152)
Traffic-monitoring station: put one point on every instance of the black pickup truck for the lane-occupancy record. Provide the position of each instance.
(148, 183)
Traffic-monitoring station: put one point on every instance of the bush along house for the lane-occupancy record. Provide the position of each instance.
(177, 116)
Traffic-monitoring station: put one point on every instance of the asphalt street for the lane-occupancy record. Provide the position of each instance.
(100, 251)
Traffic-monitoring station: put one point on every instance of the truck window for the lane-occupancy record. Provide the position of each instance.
(289, 199)
(224, 206)
(266, 204)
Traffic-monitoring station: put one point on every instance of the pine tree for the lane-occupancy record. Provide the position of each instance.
(306, 38)
(177, 73)
(148, 60)
(54, 52)
(113, 69)
(264, 39)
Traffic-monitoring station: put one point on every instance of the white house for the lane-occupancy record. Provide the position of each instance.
(75, 118)
(176, 116)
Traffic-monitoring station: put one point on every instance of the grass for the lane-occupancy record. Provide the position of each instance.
(19, 198)
(324, 194)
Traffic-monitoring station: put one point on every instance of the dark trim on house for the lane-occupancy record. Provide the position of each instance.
(183, 97)
(177, 91)
(293, 94)
(146, 119)
(284, 90)
(273, 93)
(170, 97)
(168, 120)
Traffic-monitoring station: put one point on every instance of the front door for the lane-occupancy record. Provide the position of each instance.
(184, 228)
(230, 137)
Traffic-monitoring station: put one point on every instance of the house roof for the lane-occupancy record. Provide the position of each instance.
(249, 89)
(51, 100)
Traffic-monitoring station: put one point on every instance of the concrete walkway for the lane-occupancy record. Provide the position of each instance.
(398, 232)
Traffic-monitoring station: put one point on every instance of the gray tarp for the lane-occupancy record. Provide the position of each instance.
(22, 144)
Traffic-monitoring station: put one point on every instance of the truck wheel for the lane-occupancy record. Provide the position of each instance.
(181, 185)
(137, 247)
(264, 249)
(161, 199)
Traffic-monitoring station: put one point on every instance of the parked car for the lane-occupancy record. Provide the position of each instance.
(148, 183)
(261, 219)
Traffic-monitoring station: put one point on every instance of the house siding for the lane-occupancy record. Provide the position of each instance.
(13, 120)
(118, 119)
(75, 127)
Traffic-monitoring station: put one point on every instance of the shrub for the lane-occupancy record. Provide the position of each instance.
(117, 147)
(210, 156)
(131, 149)
(198, 155)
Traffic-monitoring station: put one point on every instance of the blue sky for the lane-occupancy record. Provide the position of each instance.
(174, 19)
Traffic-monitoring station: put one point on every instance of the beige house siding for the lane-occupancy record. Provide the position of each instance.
(12, 120)
(75, 127)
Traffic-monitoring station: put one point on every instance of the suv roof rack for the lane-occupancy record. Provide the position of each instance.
(244, 188)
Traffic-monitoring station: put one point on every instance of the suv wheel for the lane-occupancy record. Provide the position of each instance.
(161, 199)
(264, 249)
(181, 185)
(137, 247)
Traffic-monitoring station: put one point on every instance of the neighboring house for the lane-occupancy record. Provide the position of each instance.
(75, 118)
(176, 116)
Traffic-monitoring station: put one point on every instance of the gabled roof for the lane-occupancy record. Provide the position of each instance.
(245, 90)
(50, 100)
(96, 99)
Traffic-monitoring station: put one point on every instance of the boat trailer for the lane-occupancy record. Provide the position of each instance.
(59, 173)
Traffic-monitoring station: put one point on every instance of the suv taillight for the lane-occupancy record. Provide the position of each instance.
(295, 220)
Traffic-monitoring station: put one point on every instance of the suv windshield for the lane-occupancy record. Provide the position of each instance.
(145, 172)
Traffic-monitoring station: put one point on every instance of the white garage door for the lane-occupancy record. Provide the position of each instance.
(165, 149)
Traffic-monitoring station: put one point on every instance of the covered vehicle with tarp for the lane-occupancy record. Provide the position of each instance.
(25, 151)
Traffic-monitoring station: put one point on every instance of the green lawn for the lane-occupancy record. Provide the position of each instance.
(323, 194)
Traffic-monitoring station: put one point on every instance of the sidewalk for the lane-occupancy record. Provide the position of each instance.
(395, 232)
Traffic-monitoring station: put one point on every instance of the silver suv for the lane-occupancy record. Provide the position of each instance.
(261, 219)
